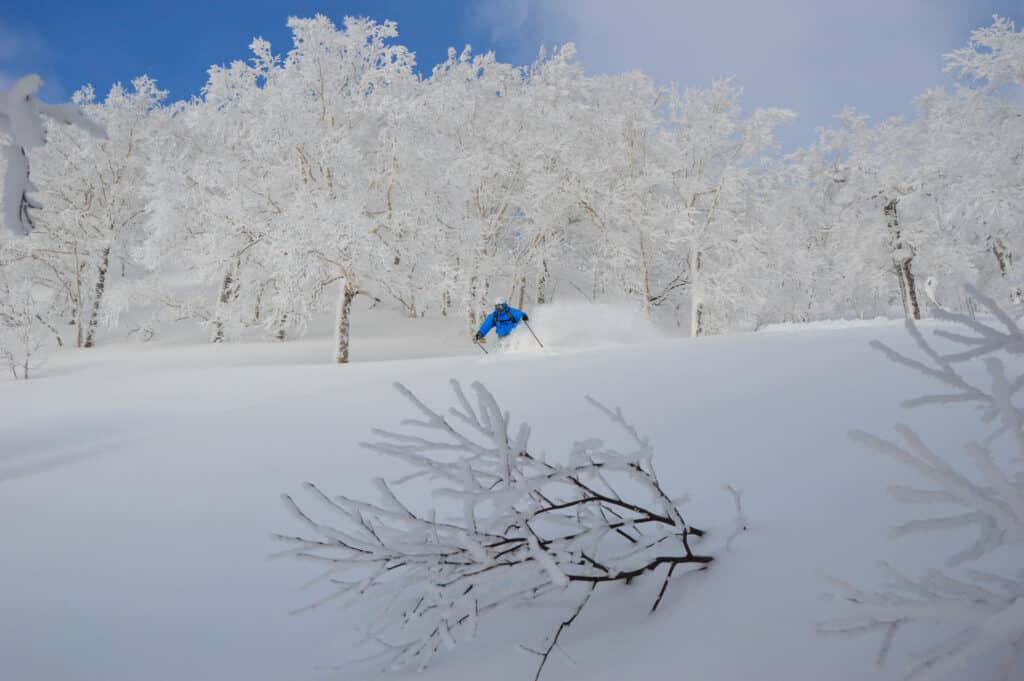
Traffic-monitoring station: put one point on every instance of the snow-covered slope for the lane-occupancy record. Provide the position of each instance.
(139, 489)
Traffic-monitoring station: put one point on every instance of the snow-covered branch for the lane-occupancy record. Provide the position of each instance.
(21, 120)
(509, 526)
(982, 611)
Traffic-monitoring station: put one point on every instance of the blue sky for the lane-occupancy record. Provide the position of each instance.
(814, 56)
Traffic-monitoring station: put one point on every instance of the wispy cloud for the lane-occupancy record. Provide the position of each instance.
(502, 18)
(23, 50)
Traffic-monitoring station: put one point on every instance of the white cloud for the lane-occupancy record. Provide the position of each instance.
(813, 56)
(23, 51)
(502, 18)
(19, 43)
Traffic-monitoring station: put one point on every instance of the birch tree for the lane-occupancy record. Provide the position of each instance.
(94, 197)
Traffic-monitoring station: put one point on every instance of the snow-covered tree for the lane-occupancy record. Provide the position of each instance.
(913, 210)
(300, 181)
(222, 185)
(478, 107)
(94, 195)
(984, 128)
(25, 333)
(22, 124)
(994, 55)
(342, 86)
(715, 187)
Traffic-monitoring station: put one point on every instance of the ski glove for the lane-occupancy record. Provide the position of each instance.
(478, 337)
(526, 317)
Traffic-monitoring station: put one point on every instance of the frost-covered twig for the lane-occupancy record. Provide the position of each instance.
(983, 339)
(552, 642)
(993, 507)
(510, 526)
(985, 610)
(981, 603)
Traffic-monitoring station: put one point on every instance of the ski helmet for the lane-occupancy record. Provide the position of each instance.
(500, 302)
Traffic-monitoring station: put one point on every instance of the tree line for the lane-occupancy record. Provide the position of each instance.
(298, 182)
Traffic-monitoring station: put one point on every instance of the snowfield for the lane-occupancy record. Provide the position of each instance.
(140, 486)
(146, 487)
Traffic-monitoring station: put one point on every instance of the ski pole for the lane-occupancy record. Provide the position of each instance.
(532, 333)
(477, 343)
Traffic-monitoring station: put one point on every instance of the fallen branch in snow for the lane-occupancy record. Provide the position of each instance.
(523, 528)
(986, 610)
(553, 640)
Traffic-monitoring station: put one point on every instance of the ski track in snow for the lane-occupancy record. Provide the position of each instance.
(139, 488)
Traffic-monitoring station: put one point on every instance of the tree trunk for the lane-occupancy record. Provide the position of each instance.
(478, 290)
(522, 291)
(341, 338)
(902, 257)
(258, 306)
(53, 330)
(227, 291)
(1004, 257)
(78, 318)
(471, 313)
(1002, 253)
(101, 285)
(483, 304)
(645, 270)
(542, 282)
(696, 296)
(282, 329)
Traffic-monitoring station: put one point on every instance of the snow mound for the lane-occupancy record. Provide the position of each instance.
(562, 326)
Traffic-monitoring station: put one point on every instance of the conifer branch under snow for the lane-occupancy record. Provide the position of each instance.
(509, 527)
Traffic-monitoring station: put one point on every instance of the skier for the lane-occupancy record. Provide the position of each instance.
(503, 320)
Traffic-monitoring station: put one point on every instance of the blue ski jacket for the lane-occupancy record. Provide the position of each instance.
(502, 321)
